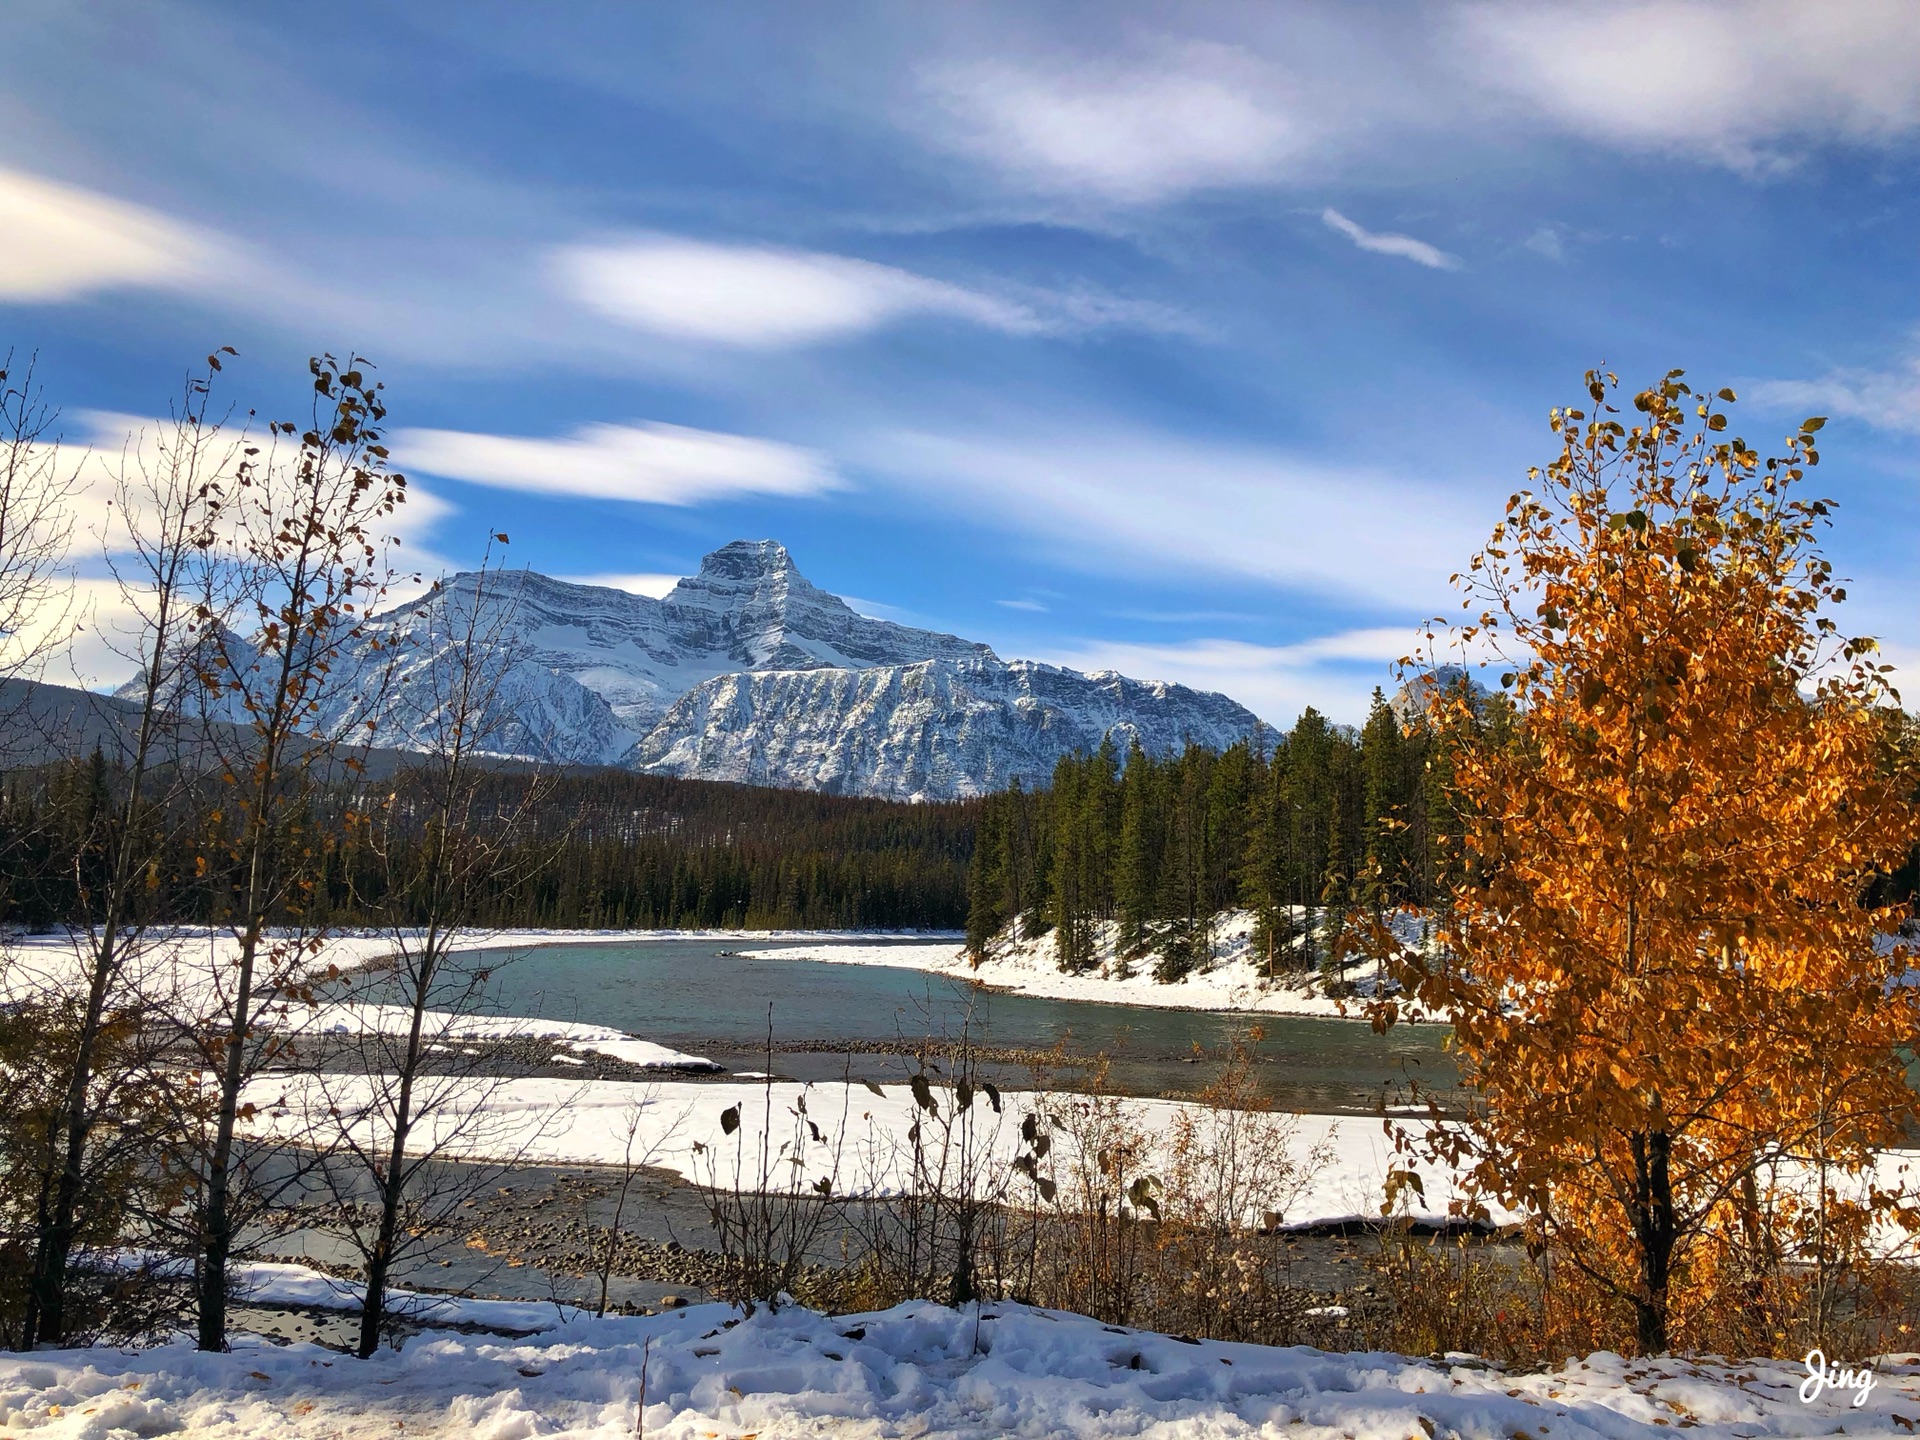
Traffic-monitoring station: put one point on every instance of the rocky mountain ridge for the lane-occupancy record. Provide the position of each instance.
(747, 671)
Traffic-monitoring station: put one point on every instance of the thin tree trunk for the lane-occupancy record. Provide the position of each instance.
(46, 1318)
(1654, 1230)
(393, 1184)
(217, 1222)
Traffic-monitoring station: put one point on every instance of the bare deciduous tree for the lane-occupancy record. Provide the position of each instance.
(35, 525)
(440, 843)
(308, 562)
(166, 505)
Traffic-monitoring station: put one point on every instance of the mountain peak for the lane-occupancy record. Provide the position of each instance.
(748, 560)
(747, 671)
(756, 577)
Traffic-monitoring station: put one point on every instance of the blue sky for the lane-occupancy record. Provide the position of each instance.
(1203, 342)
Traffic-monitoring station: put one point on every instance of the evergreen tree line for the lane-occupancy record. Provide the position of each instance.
(1299, 829)
(597, 850)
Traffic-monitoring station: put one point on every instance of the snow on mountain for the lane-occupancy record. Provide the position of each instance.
(747, 671)
(749, 608)
(935, 730)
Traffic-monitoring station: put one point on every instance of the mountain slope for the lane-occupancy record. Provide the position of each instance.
(747, 671)
(936, 730)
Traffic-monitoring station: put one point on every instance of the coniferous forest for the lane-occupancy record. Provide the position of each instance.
(1301, 831)
(590, 850)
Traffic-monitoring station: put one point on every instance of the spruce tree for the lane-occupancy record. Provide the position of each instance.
(1382, 763)
(986, 880)
(1265, 878)
(1137, 864)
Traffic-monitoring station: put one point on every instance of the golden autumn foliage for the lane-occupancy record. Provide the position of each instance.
(1681, 1018)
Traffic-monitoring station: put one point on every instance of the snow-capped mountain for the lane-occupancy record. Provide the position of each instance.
(938, 729)
(747, 671)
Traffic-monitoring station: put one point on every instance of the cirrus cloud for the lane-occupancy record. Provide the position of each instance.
(1333, 672)
(1195, 117)
(1386, 243)
(1113, 498)
(653, 463)
(1735, 83)
(63, 242)
(756, 297)
(1885, 399)
(645, 582)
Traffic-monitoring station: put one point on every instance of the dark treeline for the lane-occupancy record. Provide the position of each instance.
(589, 850)
(1300, 831)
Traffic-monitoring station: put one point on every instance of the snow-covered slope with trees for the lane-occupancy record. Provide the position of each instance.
(747, 671)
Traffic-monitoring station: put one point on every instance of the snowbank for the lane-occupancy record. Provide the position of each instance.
(450, 1029)
(917, 1370)
(189, 967)
(266, 1282)
(1231, 981)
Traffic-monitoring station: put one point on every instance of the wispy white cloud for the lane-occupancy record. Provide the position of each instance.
(759, 296)
(62, 242)
(1115, 499)
(111, 448)
(1384, 243)
(654, 463)
(638, 583)
(1885, 399)
(94, 628)
(881, 610)
(1149, 114)
(1738, 82)
(1193, 117)
(107, 455)
(1546, 241)
(1033, 605)
(1334, 673)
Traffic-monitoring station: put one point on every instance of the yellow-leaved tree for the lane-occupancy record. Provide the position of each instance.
(1679, 1014)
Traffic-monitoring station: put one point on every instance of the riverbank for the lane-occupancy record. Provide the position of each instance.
(1235, 979)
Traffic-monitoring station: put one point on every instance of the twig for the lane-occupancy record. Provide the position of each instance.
(640, 1410)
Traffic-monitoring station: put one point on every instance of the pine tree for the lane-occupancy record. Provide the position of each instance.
(1070, 872)
(986, 881)
(1137, 862)
(1265, 878)
(1310, 806)
(1383, 778)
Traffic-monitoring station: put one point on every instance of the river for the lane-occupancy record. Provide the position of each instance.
(716, 997)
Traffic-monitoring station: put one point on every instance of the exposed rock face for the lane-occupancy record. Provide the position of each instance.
(747, 671)
(936, 730)
(1410, 701)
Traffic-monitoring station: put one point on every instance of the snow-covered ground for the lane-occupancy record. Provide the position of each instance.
(1232, 980)
(272, 1283)
(918, 1370)
(450, 1029)
(676, 1126)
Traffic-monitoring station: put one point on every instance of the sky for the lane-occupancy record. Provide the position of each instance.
(1202, 342)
